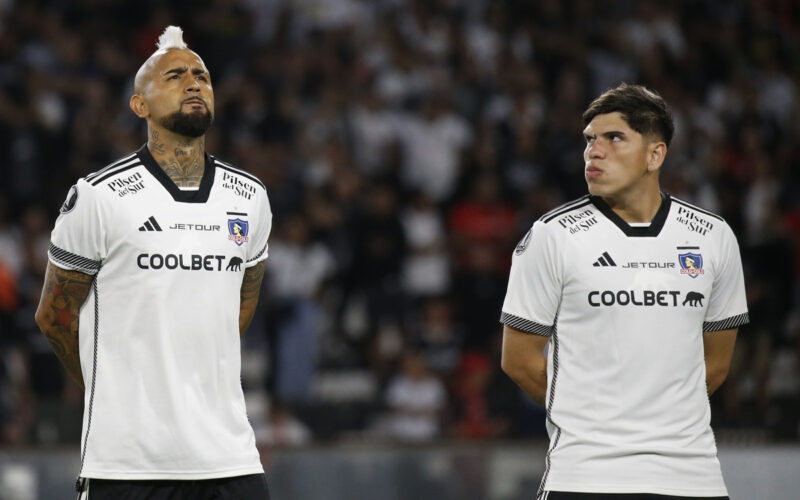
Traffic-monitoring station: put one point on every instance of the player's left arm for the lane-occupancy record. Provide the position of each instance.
(251, 286)
(718, 350)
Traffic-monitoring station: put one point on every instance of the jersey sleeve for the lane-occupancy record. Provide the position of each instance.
(258, 247)
(727, 307)
(77, 241)
(534, 284)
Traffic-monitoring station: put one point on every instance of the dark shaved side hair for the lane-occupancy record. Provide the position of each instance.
(643, 109)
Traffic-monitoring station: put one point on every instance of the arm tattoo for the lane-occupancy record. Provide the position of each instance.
(251, 286)
(63, 295)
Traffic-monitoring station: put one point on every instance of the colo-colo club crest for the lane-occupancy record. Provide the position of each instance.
(238, 229)
(691, 264)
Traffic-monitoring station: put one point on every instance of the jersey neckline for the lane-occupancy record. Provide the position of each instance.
(195, 196)
(654, 229)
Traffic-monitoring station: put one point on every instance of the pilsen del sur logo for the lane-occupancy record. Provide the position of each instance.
(238, 228)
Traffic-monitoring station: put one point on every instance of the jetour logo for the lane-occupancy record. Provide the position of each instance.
(238, 228)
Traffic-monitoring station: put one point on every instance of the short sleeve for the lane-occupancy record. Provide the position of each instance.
(77, 241)
(534, 284)
(258, 245)
(727, 307)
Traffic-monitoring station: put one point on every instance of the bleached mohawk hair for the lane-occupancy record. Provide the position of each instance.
(171, 38)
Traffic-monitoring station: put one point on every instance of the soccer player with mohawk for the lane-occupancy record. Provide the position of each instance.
(155, 264)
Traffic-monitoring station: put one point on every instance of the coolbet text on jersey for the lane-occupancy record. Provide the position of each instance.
(625, 307)
(159, 333)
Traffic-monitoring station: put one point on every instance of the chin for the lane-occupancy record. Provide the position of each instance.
(596, 189)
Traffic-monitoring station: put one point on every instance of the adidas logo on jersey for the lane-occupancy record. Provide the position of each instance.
(150, 225)
(605, 260)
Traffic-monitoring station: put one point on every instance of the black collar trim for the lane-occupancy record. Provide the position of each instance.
(193, 196)
(654, 229)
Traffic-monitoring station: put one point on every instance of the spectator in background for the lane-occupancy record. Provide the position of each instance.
(282, 429)
(433, 142)
(415, 399)
(426, 267)
(301, 266)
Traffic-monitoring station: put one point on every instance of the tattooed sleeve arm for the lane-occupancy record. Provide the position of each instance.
(251, 286)
(57, 316)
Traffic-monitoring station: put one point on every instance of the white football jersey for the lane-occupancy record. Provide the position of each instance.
(159, 331)
(625, 308)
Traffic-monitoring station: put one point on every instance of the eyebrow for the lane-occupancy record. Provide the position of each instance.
(609, 133)
(180, 71)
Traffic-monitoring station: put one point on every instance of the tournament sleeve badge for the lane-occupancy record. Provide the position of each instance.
(523, 243)
(691, 264)
(71, 201)
(238, 228)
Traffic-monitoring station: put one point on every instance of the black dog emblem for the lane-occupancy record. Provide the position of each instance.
(694, 299)
(236, 263)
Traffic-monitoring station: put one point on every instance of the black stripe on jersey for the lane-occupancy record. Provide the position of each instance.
(525, 325)
(115, 172)
(232, 169)
(727, 323)
(548, 408)
(562, 212)
(636, 231)
(259, 254)
(94, 379)
(698, 209)
(110, 166)
(72, 261)
(565, 206)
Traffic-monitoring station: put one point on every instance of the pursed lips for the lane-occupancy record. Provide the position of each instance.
(593, 171)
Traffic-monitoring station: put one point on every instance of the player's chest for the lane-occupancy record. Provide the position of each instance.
(625, 272)
(157, 232)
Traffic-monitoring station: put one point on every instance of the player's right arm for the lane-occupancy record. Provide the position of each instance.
(524, 361)
(63, 294)
(77, 248)
(529, 310)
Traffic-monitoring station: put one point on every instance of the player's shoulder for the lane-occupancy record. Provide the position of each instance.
(233, 174)
(573, 207)
(698, 219)
(125, 174)
(683, 206)
(116, 175)
(543, 229)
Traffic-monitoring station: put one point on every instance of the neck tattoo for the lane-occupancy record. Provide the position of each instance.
(183, 162)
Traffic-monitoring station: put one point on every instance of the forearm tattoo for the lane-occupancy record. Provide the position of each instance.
(251, 286)
(62, 297)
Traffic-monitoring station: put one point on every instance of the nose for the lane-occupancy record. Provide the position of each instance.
(193, 87)
(594, 150)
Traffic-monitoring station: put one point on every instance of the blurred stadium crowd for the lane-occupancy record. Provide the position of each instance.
(406, 146)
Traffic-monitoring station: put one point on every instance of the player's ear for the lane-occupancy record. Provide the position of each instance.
(138, 106)
(656, 152)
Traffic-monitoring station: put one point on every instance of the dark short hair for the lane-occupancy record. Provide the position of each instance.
(643, 109)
